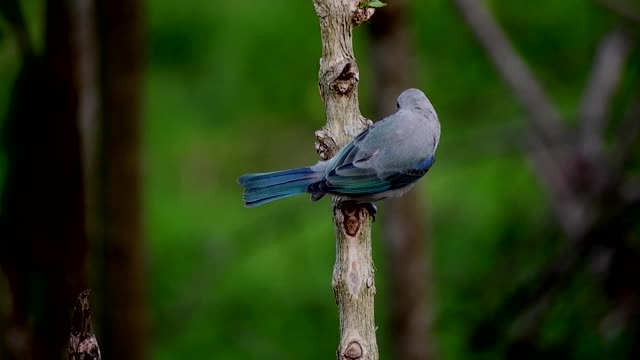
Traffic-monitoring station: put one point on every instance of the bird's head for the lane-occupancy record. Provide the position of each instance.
(412, 99)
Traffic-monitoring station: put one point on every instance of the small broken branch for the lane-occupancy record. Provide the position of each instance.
(82, 341)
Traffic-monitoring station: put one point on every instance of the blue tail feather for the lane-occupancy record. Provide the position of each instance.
(265, 200)
(270, 178)
(266, 187)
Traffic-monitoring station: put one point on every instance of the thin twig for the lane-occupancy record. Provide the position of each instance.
(604, 81)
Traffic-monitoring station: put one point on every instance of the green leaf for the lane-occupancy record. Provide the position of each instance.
(371, 4)
(377, 4)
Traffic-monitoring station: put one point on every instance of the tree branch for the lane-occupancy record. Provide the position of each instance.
(554, 158)
(119, 201)
(603, 83)
(544, 116)
(353, 273)
(570, 212)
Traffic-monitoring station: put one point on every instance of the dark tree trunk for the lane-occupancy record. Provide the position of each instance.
(123, 318)
(43, 241)
(405, 234)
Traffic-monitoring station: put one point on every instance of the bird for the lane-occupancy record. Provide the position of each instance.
(383, 161)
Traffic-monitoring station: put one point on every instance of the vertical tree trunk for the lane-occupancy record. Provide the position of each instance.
(123, 313)
(404, 218)
(43, 242)
(353, 274)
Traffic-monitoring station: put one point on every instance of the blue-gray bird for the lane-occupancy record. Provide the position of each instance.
(384, 161)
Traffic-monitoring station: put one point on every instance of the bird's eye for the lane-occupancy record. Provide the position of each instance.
(398, 105)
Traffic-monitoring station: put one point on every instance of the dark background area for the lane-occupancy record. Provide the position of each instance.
(125, 125)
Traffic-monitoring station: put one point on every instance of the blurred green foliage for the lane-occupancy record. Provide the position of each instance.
(231, 87)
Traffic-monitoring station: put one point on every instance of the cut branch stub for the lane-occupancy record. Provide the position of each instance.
(354, 348)
(325, 144)
(82, 341)
(353, 351)
(361, 15)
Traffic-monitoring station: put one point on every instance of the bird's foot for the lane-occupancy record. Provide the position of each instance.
(372, 209)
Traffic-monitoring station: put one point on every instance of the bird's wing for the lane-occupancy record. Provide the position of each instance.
(358, 170)
(359, 179)
(348, 163)
(363, 146)
(353, 151)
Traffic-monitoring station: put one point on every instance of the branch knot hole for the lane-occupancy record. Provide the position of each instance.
(353, 351)
(351, 218)
(361, 15)
(346, 80)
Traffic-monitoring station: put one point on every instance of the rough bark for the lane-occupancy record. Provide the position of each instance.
(122, 318)
(83, 344)
(353, 275)
(404, 233)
